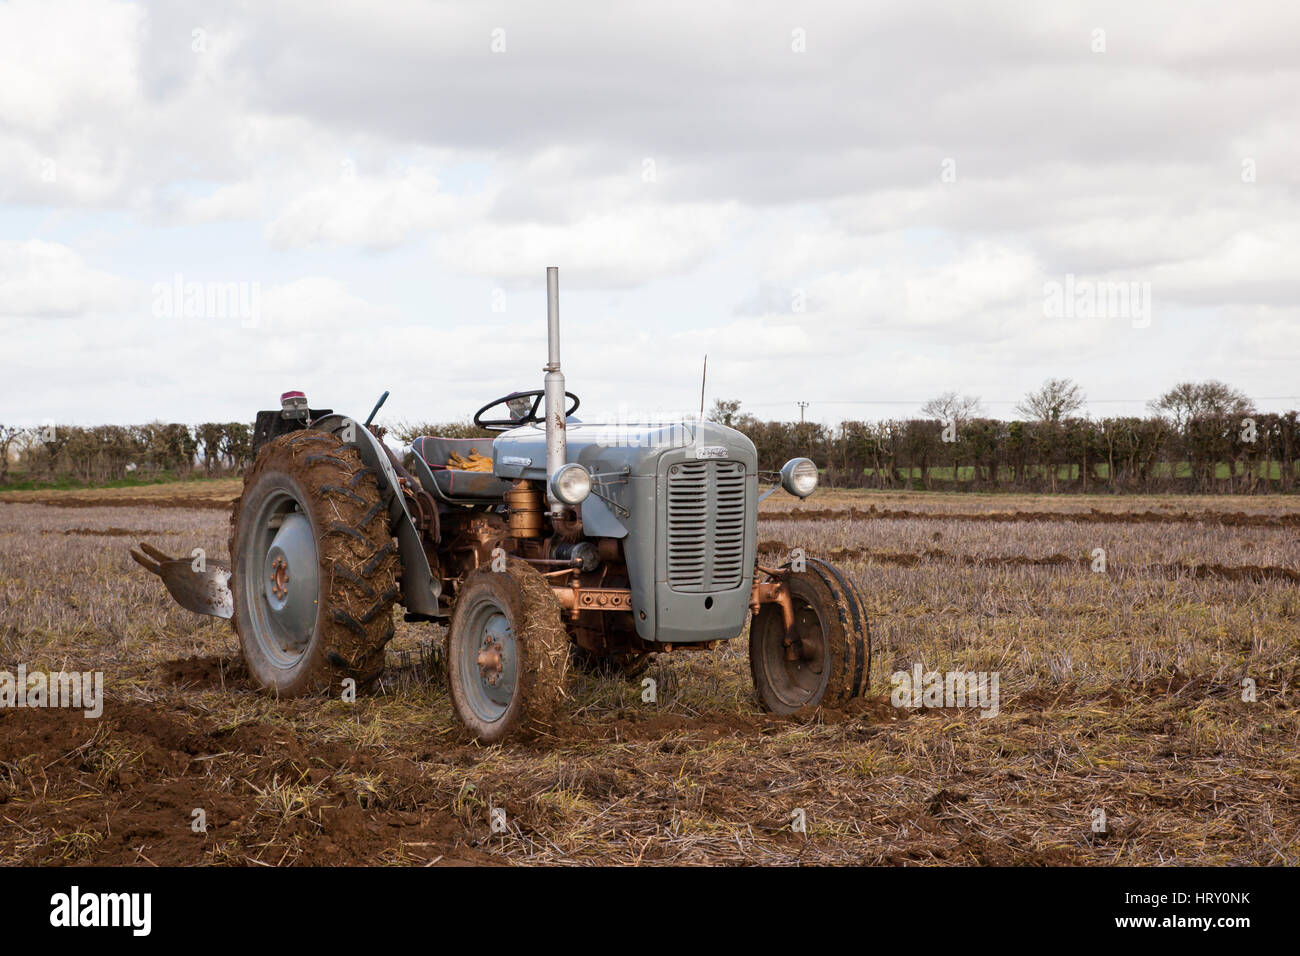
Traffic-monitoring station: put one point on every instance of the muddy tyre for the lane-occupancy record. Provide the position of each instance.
(828, 661)
(507, 654)
(313, 567)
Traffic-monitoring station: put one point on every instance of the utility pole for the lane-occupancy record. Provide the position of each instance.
(802, 406)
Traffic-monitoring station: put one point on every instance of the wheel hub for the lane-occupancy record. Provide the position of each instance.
(279, 577)
(795, 658)
(489, 662)
(803, 647)
(292, 581)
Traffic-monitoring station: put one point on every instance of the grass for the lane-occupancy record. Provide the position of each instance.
(68, 483)
(1121, 692)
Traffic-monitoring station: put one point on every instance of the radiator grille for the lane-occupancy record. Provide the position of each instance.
(706, 525)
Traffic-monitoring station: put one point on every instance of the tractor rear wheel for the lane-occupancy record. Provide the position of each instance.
(313, 567)
(507, 653)
(826, 657)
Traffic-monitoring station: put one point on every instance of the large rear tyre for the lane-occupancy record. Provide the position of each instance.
(313, 567)
(825, 660)
(507, 654)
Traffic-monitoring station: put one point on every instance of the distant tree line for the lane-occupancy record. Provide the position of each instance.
(1199, 437)
(1076, 454)
(103, 453)
(407, 432)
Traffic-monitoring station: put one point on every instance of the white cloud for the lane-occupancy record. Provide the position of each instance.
(380, 173)
(616, 247)
(46, 279)
(242, 200)
(60, 60)
(370, 211)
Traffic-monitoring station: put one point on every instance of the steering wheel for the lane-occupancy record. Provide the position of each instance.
(532, 417)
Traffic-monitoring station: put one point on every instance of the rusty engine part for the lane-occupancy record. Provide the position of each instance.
(584, 555)
(574, 598)
(470, 537)
(524, 502)
(772, 591)
(567, 525)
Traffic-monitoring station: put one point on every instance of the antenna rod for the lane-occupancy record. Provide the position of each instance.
(703, 378)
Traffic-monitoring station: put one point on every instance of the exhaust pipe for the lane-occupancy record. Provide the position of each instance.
(556, 444)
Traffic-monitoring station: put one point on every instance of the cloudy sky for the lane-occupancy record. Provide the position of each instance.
(855, 205)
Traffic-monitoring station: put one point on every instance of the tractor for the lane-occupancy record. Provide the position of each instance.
(577, 544)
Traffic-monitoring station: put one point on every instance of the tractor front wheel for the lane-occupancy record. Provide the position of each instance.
(825, 658)
(507, 653)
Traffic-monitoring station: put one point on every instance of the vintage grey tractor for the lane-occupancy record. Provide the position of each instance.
(579, 543)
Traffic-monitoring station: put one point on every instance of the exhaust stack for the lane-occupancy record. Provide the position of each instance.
(556, 443)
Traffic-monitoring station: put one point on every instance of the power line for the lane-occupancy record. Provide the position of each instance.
(1000, 401)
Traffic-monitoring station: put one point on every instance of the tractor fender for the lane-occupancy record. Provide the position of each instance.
(420, 589)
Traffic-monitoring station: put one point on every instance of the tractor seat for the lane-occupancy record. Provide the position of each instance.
(452, 484)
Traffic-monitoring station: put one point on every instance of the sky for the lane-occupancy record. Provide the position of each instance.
(858, 206)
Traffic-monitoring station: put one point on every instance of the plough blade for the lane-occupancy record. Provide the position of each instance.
(203, 592)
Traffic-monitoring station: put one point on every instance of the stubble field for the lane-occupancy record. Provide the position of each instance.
(1120, 693)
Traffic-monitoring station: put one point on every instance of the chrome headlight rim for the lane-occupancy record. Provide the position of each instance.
(571, 484)
(799, 477)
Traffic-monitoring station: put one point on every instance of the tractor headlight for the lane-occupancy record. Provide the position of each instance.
(799, 477)
(571, 484)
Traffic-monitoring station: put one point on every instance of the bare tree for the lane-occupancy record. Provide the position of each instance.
(8, 435)
(1057, 399)
(724, 411)
(1188, 400)
(953, 407)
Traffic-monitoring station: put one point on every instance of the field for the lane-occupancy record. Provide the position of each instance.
(1121, 693)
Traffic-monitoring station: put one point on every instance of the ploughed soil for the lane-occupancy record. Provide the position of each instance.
(1231, 519)
(910, 559)
(215, 493)
(119, 791)
(217, 502)
(116, 532)
(1163, 693)
(642, 786)
(123, 789)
